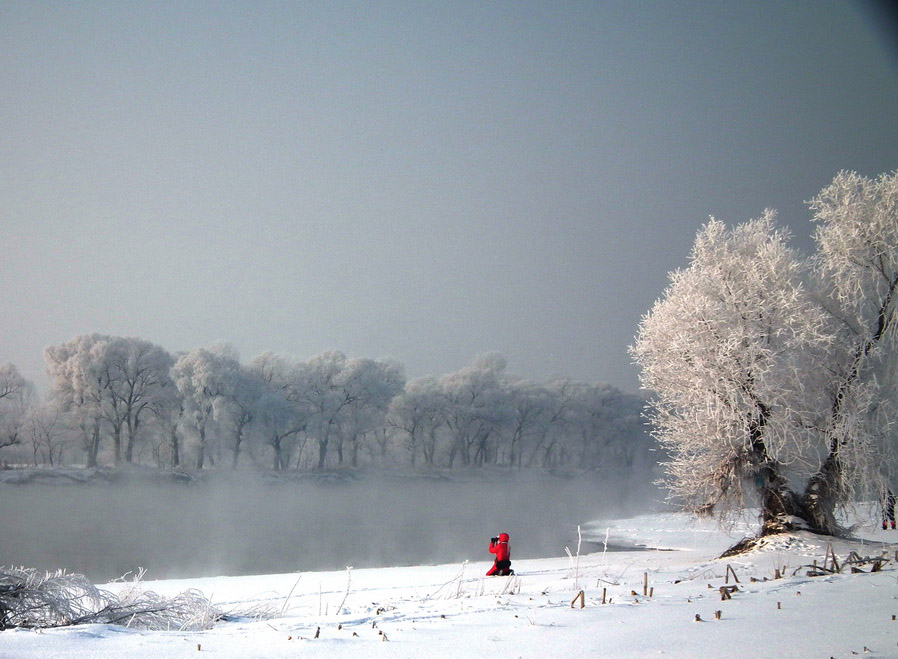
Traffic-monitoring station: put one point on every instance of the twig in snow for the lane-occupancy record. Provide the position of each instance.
(346, 594)
(290, 594)
(456, 579)
(605, 548)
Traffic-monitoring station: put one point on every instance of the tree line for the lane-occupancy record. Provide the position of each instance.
(774, 373)
(124, 400)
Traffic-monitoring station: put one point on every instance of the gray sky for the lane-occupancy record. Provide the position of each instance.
(419, 180)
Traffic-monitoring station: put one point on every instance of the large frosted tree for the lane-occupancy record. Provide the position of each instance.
(78, 382)
(111, 382)
(531, 412)
(324, 390)
(774, 374)
(476, 407)
(138, 377)
(369, 385)
(722, 352)
(857, 273)
(341, 398)
(241, 404)
(280, 412)
(416, 414)
(205, 378)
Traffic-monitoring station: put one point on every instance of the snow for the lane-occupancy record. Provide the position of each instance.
(454, 611)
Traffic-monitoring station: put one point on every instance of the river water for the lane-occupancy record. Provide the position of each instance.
(233, 525)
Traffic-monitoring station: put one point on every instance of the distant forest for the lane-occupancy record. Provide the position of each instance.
(124, 400)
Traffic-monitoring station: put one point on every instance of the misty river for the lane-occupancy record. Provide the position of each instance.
(243, 524)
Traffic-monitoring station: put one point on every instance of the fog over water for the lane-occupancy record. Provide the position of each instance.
(232, 525)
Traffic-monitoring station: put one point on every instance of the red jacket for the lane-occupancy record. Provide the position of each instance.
(500, 549)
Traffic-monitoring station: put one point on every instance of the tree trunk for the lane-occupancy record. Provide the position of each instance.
(117, 444)
(132, 437)
(201, 450)
(779, 504)
(429, 448)
(242, 422)
(354, 452)
(175, 449)
(278, 459)
(93, 446)
(821, 495)
(236, 454)
(322, 452)
(452, 453)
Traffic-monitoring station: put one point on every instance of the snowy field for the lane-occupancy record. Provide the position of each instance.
(454, 611)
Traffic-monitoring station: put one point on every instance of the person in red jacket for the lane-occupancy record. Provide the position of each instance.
(502, 564)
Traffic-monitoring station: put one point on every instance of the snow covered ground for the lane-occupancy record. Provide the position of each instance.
(454, 611)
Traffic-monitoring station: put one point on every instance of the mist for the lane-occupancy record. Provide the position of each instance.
(243, 524)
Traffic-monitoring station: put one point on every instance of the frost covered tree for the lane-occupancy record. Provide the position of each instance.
(78, 382)
(369, 386)
(416, 414)
(16, 398)
(137, 376)
(168, 420)
(205, 378)
(322, 391)
(607, 427)
(857, 273)
(241, 403)
(722, 350)
(530, 405)
(556, 426)
(774, 375)
(341, 397)
(12, 384)
(100, 378)
(280, 413)
(46, 433)
(476, 406)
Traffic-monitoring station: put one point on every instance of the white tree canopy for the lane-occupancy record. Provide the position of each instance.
(205, 378)
(774, 374)
(857, 274)
(16, 397)
(723, 351)
(101, 378)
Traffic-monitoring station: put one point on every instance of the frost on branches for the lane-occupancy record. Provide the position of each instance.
(36, 600)
(774, 374)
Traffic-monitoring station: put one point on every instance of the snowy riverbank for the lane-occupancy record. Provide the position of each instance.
(452, 610)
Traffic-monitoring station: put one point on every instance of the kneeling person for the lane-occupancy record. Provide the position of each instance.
(502, 564)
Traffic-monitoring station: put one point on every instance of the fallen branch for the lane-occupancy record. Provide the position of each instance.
(36, 600)
(853, 560)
